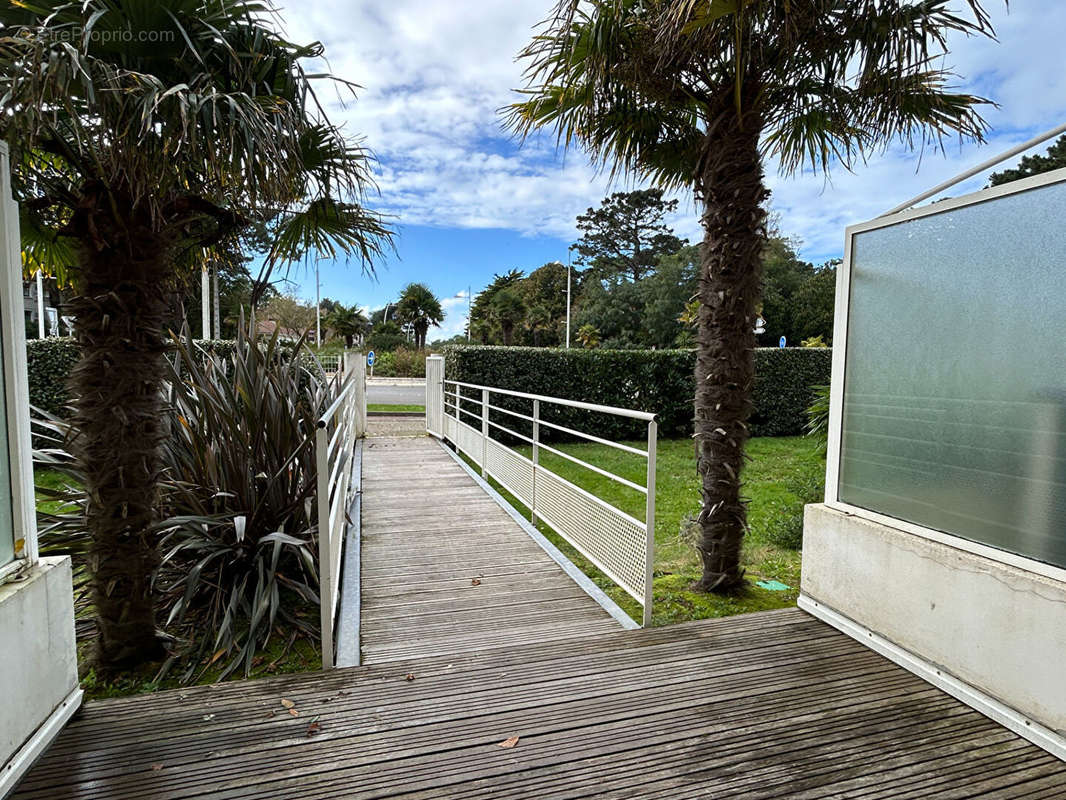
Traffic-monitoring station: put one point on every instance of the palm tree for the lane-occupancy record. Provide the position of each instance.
(589, 336)
(695, 93)
(507, 310)
(419, 308)
(347, 321)
(144, 134)
(538, 319)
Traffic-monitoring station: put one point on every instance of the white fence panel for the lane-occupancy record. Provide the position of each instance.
(335, 441)
(620, 545)
(435, 395)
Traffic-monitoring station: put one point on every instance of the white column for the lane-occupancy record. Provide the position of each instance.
(205, 303)
(40, 305)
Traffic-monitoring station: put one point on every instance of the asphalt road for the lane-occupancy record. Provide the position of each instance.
(397, 395)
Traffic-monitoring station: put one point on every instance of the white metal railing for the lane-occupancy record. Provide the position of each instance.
(335, 442)
(331, 364)
(620, 545)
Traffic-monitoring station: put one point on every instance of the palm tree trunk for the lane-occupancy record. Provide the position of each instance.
(731, 188)
(119, 420)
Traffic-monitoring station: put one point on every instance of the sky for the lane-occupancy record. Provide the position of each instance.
(468, 201)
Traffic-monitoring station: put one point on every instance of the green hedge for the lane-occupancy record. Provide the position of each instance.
(49, 362)
(649, 380)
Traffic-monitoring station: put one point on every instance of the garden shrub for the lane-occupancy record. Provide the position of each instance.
(237, 529)
(649, 380)
(49, 362)
(400, 363)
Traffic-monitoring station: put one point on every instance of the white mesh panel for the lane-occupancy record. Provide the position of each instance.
(469, 441)
(513, 471)
(612, 540)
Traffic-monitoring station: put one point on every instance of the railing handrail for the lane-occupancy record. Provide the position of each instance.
(646, 416)
(445, 410)
(346, 387)
(334, 465)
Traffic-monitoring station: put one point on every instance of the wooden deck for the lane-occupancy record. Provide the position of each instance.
(445, 570)
(771, 705)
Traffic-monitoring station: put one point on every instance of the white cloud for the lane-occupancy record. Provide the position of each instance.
(435, 74)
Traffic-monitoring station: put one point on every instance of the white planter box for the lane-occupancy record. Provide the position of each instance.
(988, 632)
(38, 664)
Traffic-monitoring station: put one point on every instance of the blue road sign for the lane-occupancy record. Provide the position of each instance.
(370, 356)
(780, 343)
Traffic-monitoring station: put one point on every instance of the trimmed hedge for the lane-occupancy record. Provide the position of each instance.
(49, 362)
(649, 380)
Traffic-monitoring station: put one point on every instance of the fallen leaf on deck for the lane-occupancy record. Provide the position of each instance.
(208, 717)
(314, 728)
(293, 712)
(288, 703)
(475, 582)
(508, 743)
(156, 767)
(410, 676)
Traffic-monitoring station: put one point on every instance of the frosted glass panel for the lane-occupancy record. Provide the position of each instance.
(954, 412)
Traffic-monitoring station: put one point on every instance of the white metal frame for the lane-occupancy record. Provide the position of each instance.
(16, 384)
(597, 520)
(839, 376)
(339, 428)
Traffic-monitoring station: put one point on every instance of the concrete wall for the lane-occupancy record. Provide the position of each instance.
(38, 661)
(995, 627)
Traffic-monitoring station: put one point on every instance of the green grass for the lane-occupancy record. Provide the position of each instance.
(49, 479)
(395, 409)
(783, 474)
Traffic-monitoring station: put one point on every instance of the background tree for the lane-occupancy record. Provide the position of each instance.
(814, 304)
(627, 234)
(783, 274)
(133, 153)
(419, 308)
(538, 320)
(347, 322)
(1055, 158)
(484, 325)
(507, 310)
(290, 313)
(588, 336)
(693, 93)
(386, 336)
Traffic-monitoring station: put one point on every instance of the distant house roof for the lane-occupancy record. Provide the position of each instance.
(268, 326)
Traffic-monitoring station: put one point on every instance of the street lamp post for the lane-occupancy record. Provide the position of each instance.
(569, 253)
(318, 308)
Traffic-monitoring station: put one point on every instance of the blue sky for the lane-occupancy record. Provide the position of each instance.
(468, 202)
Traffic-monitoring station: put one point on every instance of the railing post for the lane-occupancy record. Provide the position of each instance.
(325, 546)
(649, 516)
(536, 461)
(484, 431)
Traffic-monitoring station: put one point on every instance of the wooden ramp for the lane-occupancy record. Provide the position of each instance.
(445, 570)
(772, 705)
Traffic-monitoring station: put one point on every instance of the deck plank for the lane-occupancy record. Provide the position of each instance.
(772, 705)
(446, 571)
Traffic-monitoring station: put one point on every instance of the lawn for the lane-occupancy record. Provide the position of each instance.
(783, 474)
(387, 408)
